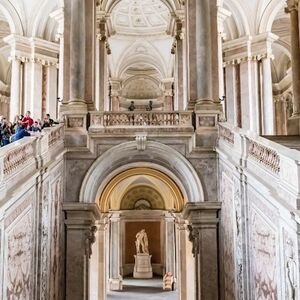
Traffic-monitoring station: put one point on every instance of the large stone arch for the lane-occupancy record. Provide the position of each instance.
(12, 17)
(156, 156)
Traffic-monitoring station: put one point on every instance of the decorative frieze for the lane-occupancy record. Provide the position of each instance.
(55, 135)
(17, 157)
(226, 134)
(264, 155)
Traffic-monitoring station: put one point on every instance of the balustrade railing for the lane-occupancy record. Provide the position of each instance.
(141, 119)
(24, 155)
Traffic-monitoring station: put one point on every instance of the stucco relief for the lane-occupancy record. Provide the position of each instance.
(227, 226)
(18, 275)
(56, 196)
(263, 246)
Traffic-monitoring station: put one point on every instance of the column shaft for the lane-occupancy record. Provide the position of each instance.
(77, 51)
(268, 103)
(115, 276)
(249, 95)
(15, 93)
(295, 50)
(51, 101)
(199, 23)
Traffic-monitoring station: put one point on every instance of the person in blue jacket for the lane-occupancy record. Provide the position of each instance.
(20, 133)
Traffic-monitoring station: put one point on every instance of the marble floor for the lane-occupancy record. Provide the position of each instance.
(145, 289)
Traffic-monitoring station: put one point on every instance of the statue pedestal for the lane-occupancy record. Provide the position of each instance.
(142, 266)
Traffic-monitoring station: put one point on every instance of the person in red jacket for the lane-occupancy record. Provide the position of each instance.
(27, 121)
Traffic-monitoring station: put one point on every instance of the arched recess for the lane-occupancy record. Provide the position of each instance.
(12, 17)
(156, 156)
(269, 15)
(164, 186)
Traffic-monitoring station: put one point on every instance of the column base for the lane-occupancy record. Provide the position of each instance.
(116, 284)
(208, 104)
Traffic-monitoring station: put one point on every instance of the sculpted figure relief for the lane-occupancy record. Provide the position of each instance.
(142, 242)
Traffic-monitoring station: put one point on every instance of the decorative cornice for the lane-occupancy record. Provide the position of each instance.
(249, 48)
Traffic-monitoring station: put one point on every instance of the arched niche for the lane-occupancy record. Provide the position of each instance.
(156, 156)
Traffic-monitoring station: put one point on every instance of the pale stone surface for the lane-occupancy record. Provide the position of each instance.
(142, 266)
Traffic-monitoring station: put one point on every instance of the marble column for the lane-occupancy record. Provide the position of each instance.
(249, 95)
(80, 235)
(203, 233)
(268, 115)
(170, 245)
(51, 94)
(77, 52)
(115, 278)
(98, 266)
(101, 64)
(15, 106)
(232, 93)
(292, 9)
(180, 80)
(58, 16)
(200, 52)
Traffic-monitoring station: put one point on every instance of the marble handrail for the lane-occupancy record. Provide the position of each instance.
(25, 155)
(141, 118)
(260, 154)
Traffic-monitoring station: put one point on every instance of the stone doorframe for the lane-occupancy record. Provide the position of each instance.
(85, 225)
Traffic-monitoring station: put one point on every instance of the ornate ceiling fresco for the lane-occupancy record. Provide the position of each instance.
(140, 17)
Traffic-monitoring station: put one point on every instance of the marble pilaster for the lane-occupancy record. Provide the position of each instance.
(115, 278)
(51, 93)
(98, 263)
(203, 233)
(170, 245)
(80, 235)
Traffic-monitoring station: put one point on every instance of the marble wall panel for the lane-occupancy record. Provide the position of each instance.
(206, 169)
(56, 262)
(228, 236)
(18, 253)
(263, 239)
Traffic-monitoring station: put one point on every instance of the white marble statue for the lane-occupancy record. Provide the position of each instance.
(142, 242)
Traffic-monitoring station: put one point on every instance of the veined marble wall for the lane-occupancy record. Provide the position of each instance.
(259, 226)
(31, 231)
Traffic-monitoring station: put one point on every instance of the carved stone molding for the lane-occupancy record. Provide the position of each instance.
(90, 240)
(194, 238)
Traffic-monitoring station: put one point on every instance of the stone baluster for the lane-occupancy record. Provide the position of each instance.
(80, 235)
(203, 233)
(292, 9)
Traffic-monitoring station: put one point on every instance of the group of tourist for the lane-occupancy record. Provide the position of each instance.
(22, 126)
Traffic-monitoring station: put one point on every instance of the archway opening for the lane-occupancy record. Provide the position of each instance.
(136, 200)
